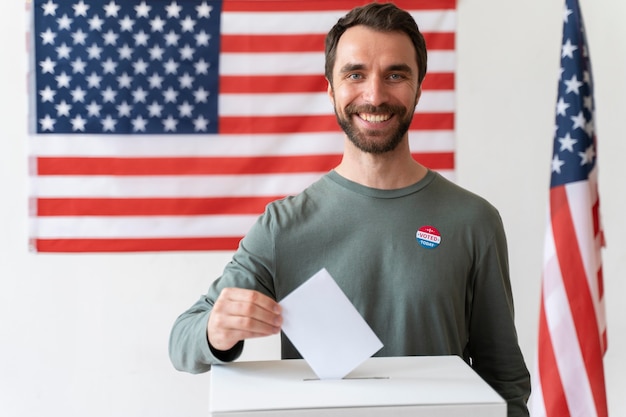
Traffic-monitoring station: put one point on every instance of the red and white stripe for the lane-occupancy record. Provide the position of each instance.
(569, 373)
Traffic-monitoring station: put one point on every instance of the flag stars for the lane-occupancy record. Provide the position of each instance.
(97, 59)
(140, 95)
(573, 85)
(201, 66)
(93, 80)
(201, 95)
(48, 37)
(111, 9)
(80, 9)
(95, 23)
(171, 39)
(186, 81)
(188, 24)
(94, 51)
(185, 109)
(155, 81)
(575, 127)
(78, 95)
(170, 95)
(49, 8)
(93, 109)
(156, 53)
(585, 51)
(109, 66)
(141, 38)
(79, 37)
(202, 38)
(561, 107)
(557, 164)
(173, 10)
(125, 52)
(47, 94)
(567, 143)
(140, 66)
(155, 109)
(157, 24)
(108, 95)
(566, 13)
(124, 80)
(108, 124)
(47, 123)
(63, 109)
(78, 66)
(63, 51)
(78, 123)
(63, 80)
(204, 10)
(171, 66)
(142, 10)
(200, 124)
(124, 109)
(579, 121)
(110, 38)
(47, 66)
(589, 129)
(568, 49)
(139, 124)
(126, 24)
(170, 124)
(587, 156)
(65, 22)
(186, 53)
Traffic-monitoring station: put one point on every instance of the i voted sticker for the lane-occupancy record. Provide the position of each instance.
(428, 237)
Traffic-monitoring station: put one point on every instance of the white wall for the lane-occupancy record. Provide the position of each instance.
(86, 335)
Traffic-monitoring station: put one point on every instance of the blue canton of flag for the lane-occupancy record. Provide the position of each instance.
(127, 66)
(574, 143)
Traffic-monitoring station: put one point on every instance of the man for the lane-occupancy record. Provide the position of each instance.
(423, 260)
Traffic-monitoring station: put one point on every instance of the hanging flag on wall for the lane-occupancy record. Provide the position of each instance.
(169, 125)
(569, 373)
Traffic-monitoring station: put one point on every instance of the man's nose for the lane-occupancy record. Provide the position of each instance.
(375, 92)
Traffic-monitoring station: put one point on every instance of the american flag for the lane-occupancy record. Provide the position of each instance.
(569, 372)
(169, 125)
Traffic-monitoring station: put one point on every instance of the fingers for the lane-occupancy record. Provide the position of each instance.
(240, 314)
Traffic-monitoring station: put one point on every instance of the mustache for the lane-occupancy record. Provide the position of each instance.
(368, 108)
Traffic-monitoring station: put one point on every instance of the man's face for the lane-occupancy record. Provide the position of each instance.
(375, 88)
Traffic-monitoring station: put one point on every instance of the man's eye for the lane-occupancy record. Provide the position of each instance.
(354, 76)
(396, 77)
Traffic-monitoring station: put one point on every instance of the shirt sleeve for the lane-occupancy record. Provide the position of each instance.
(189, 347)
(493, 346)
(252, 267)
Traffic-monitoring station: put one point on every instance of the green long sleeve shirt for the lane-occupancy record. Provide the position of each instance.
(426, 266)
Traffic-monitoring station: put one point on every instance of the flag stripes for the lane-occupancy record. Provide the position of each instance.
(568, 247)
(569, 374)
(275, 130)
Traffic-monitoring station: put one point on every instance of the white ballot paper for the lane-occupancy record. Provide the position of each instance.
(327, 330)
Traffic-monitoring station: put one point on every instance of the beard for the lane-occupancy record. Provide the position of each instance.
(375, 141)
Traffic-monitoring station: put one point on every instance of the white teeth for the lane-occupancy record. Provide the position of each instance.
(374, 118)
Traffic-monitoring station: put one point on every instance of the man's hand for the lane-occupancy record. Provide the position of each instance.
(240, 314)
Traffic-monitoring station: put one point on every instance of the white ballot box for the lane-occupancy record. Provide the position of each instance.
(417, 386)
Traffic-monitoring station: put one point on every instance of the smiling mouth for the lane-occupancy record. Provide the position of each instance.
(374, 118)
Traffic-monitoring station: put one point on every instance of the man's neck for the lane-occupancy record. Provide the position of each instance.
(388, 171)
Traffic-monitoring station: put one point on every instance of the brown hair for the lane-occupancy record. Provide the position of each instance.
(383, 17)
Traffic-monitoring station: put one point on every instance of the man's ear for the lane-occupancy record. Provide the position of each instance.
(330, 92)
